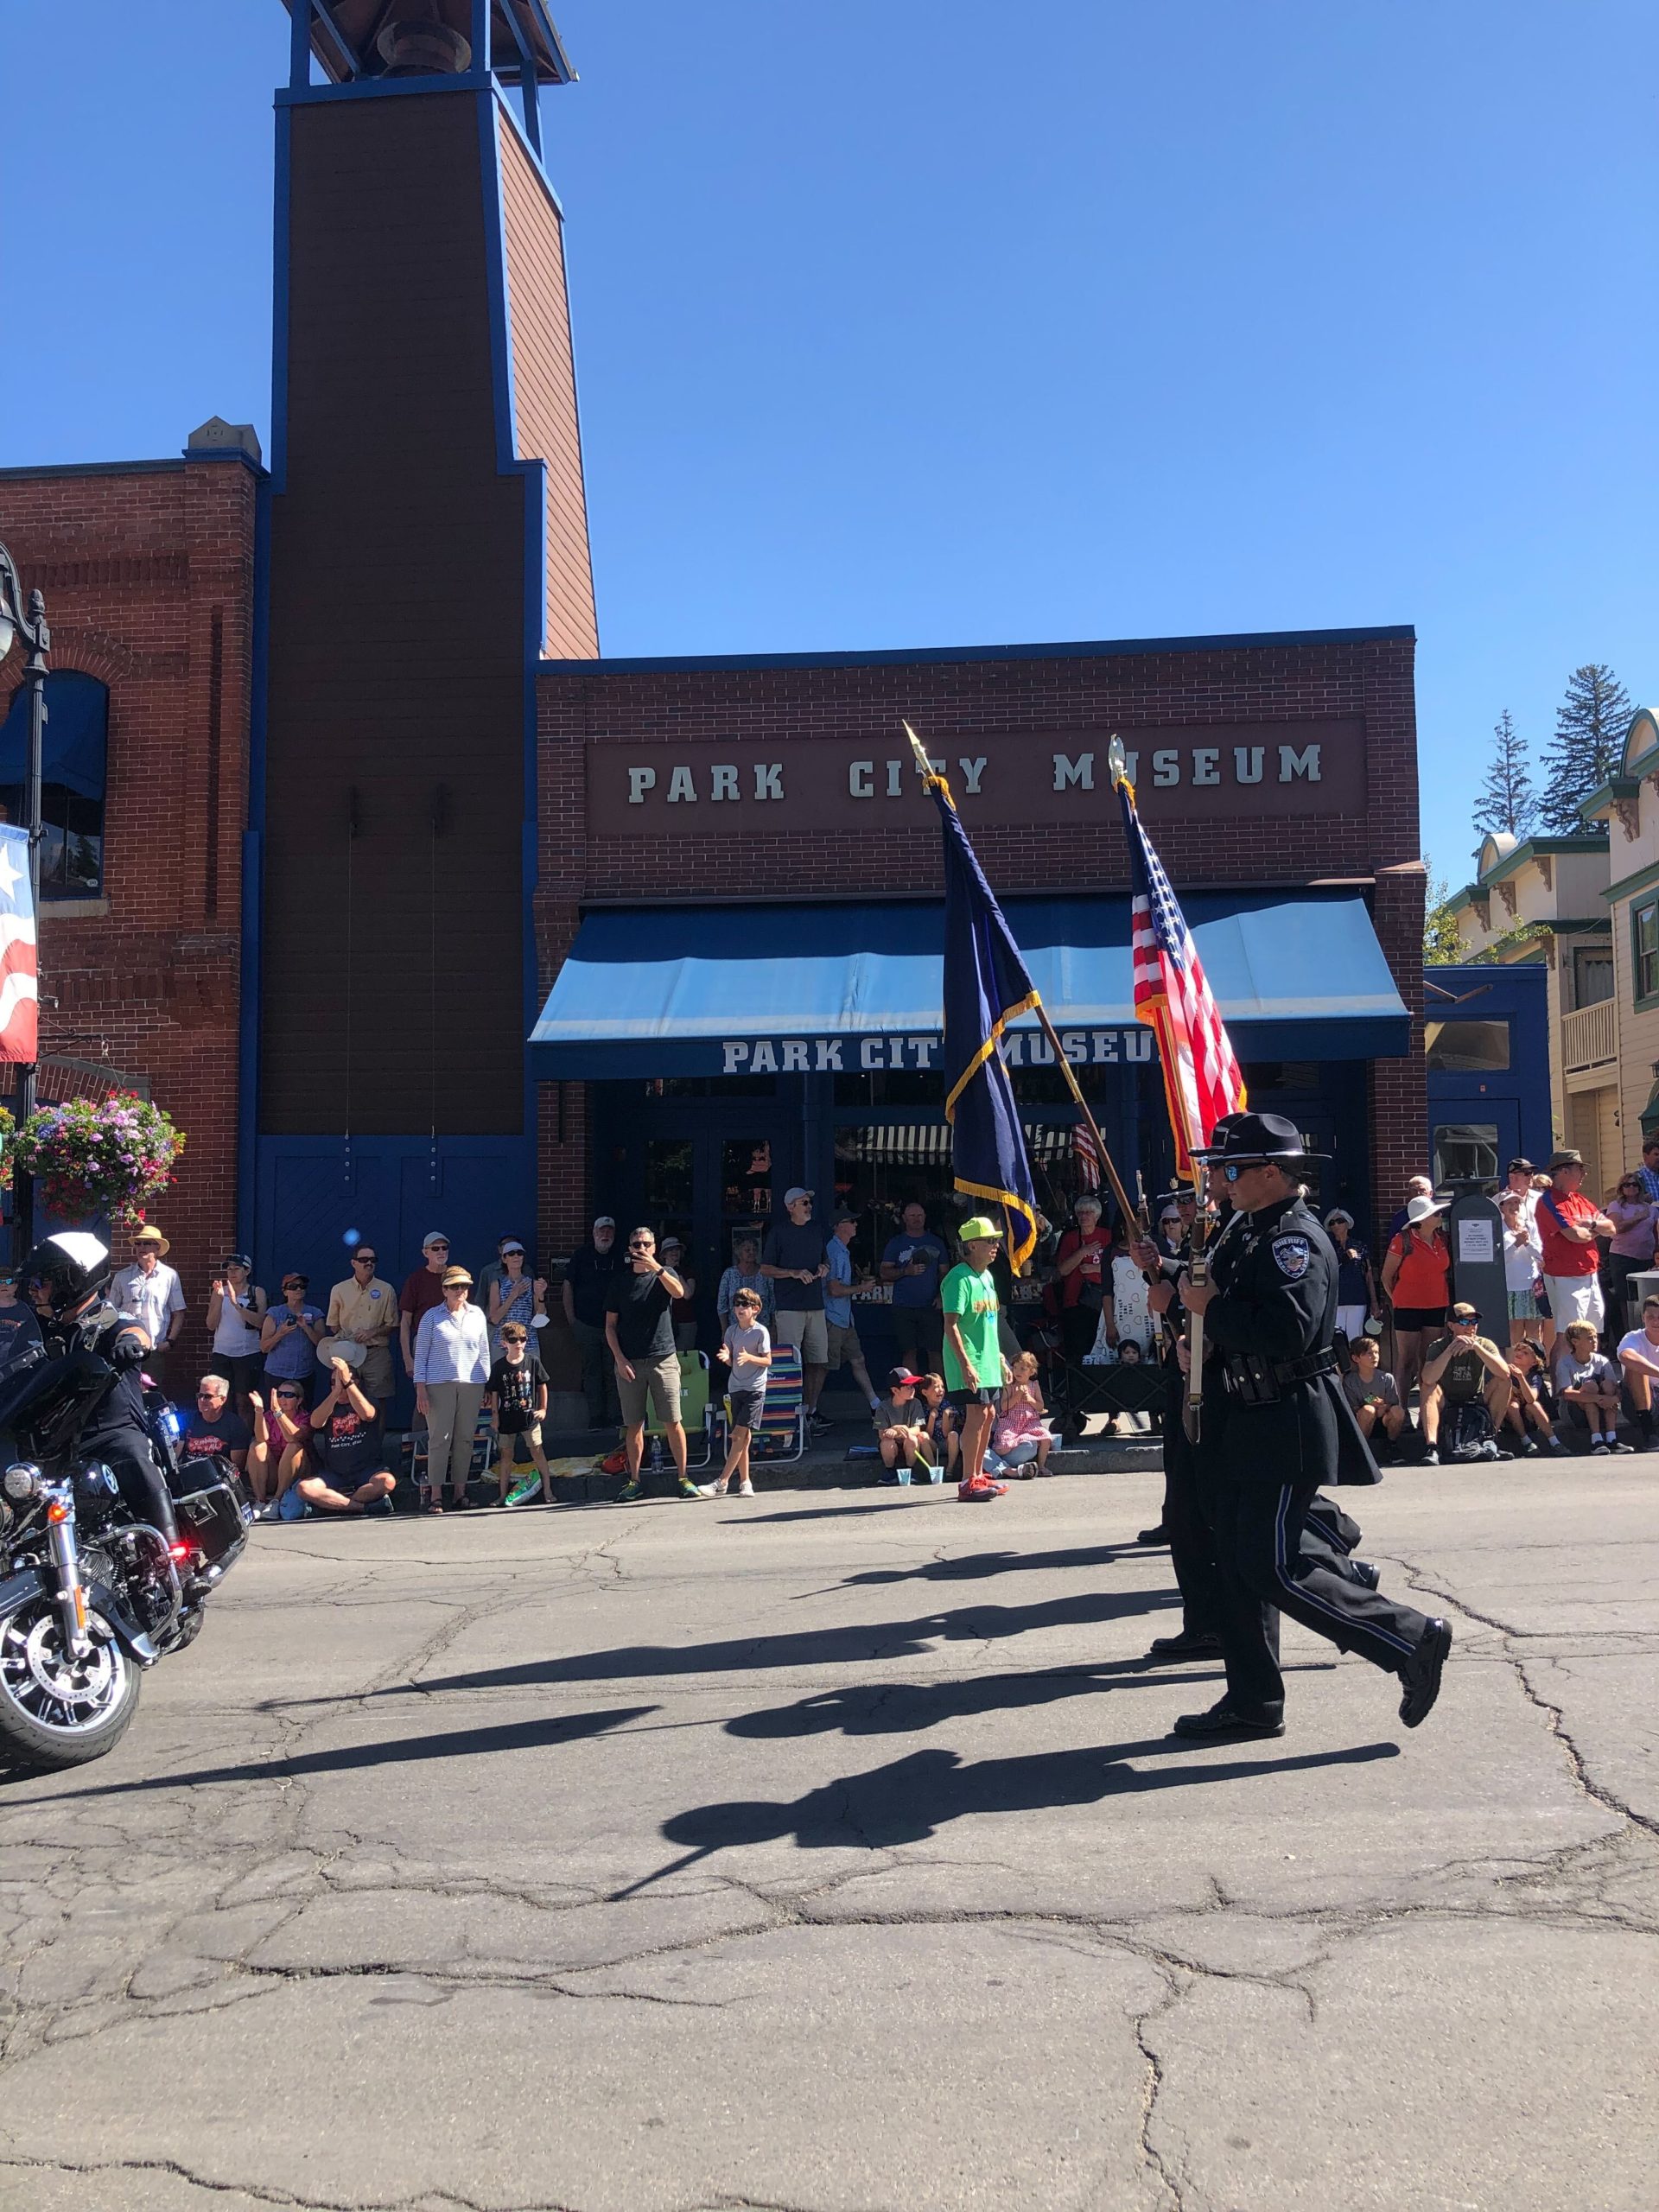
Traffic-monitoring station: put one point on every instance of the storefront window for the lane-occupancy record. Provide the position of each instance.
(881, 1165)
(1466, 1048)
(1466, 1149)
(711, 1086)
(670, 1163)
(745, 1184)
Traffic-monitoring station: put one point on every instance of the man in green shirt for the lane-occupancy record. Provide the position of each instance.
(975, 1369)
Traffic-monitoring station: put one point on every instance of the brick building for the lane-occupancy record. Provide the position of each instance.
(417, 910)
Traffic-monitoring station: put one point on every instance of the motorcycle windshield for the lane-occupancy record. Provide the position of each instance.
(43, 1400)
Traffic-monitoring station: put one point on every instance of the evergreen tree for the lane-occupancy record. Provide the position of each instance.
(1589, 727)
(1508, 801)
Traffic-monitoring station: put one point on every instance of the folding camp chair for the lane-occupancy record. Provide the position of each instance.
(483, 1452)
(782, 1433)
(696, 1418)
(1083, 1386)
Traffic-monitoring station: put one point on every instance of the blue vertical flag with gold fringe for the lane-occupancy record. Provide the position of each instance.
(986, 986)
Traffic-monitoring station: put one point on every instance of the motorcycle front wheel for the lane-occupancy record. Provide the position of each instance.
(56, 1709)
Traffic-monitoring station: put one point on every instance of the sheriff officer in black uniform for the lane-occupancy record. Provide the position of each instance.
(1269, 1326)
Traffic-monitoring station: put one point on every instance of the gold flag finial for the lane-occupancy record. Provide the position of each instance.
(932, 780)
(1118, 765)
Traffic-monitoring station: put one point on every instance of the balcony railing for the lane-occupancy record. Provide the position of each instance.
(1588, 1036)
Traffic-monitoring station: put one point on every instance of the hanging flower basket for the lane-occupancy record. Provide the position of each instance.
(8, 1133)
(107, 1158)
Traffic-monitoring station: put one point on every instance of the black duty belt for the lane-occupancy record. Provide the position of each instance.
(1256, 1380)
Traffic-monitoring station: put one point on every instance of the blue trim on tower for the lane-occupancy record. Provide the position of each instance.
(280, 251)
(376, 88)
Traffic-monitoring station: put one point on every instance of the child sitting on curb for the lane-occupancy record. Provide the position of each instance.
(899, 1427)
(1020, 1438)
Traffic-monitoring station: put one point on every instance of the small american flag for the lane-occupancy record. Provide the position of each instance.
(1201, 1076)
(19, 962)
(1087, 1156)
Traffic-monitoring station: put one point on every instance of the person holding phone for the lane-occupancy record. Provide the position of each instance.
(236, 1314)
(639, 1330)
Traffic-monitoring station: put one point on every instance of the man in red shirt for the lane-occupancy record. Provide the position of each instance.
(1568, 1224)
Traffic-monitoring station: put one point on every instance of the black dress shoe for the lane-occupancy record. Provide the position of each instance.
(1158, 1536)
(1223, 1725)
(1364, 1573)
(1421, 1673)
(1184, 1647)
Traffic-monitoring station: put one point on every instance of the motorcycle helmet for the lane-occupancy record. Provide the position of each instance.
(63, 1272)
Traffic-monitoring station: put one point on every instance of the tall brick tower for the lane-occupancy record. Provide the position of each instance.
(427, 545)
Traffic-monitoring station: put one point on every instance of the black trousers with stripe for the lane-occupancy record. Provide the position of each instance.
(1262, 1561)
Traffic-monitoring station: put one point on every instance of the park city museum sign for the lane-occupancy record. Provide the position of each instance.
(1225, 771)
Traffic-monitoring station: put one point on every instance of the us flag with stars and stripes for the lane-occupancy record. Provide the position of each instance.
(1201, 1076)
(19, 998)
(1087, 1157)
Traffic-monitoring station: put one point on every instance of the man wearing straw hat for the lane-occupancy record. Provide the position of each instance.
(150, 1292)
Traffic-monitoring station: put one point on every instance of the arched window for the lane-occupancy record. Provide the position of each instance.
(72, 764)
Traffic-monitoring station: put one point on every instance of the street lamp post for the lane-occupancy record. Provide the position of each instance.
(30, 625)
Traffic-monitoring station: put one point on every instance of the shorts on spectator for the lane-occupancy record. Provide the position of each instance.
(242, 1372)
(808, 1332)
(657, 1380)
(519, 1424)
(960, 1399)
(843, 1344)
(1411, 1319)
(1576, 1298)
(1523, 1306)
(747, 1406)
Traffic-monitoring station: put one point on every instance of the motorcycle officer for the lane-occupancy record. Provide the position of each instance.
(64, 1278)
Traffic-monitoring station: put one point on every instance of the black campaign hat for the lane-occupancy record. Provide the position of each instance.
(1257, 1138)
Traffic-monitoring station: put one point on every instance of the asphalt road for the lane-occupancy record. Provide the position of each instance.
(829, 1852)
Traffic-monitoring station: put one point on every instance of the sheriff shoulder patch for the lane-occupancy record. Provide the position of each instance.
(1292, 1254)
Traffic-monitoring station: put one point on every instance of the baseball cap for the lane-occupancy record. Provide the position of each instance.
(979, 1227)
(511, 1244)
(433, 1236)
(604, 1221)
(797, 1191)
(897, 1376)
(840, 1214)
(1463, 1311)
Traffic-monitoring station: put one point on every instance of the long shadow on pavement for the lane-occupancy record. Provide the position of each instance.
(844, 1643)
(458, 1744)
(911, 1798)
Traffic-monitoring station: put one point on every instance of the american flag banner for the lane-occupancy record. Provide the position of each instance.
(1086, 1156)
(19, 963)
(1201, 1076)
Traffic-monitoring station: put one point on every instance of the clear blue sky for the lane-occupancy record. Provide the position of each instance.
(954, 323)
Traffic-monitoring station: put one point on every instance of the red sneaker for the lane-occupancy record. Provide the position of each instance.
(975, 1493)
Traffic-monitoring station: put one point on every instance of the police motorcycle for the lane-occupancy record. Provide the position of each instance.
(93, 1592)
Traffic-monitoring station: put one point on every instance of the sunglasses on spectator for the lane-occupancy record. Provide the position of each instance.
(439, 1244)
(294, 1286)
(362, 1259)
(288, 1394)
(203, 1397)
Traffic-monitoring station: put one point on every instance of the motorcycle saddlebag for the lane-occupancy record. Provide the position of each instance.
(214, 1508)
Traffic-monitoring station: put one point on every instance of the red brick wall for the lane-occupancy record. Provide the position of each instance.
(148, 575)
(1277, 682)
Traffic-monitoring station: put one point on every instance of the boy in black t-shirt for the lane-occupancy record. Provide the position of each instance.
(346, 1443)
(517, 1395)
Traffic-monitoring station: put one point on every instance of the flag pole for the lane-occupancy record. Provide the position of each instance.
(931, 777)
(1198, 1264)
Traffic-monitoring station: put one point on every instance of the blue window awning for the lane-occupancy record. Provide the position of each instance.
(682, 991)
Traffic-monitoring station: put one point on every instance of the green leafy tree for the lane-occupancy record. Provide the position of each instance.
(1590, 724)
(1442, 944)
(1508, 801)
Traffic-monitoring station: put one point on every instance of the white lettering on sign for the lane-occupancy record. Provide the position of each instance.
(971, 772)
(640, 780)
(1204, 757)
(1165, 767)
(1305, 763)
(1080, 772)
(861, 779)
(1021, 1049)
(769, 779)
(895, 780)
(1247, 763)
(680, 786)
(722, 783)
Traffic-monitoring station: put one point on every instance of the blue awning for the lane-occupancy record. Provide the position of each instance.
(681, 990)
